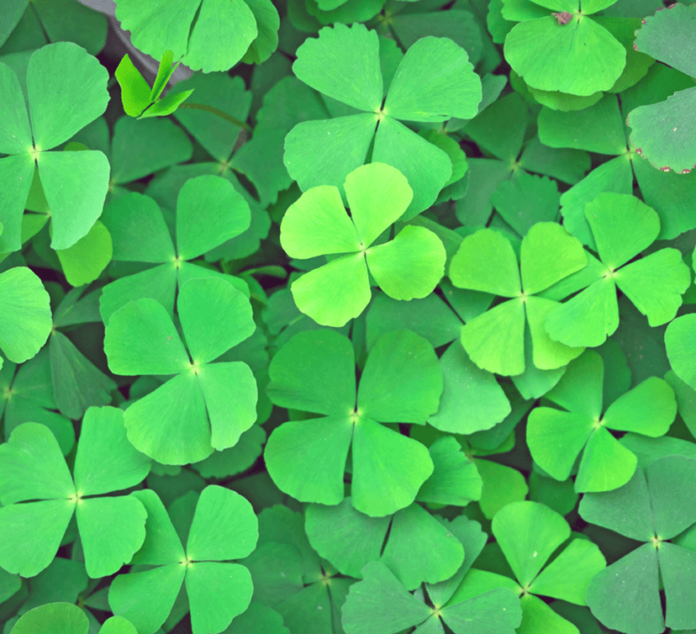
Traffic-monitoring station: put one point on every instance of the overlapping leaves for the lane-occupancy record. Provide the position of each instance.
(407, 267)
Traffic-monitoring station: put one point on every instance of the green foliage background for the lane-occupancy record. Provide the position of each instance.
(379, 323)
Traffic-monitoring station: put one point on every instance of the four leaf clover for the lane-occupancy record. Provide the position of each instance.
(556, 437)
(40, 496)
(209, 212)
(654, 507)
(400, 383)
(528, 534)
(223, 528)
(497, 610)
(66, 90)
(407, 267)
(434, 82)
(206, 406)
(622, 227)
(486, 261)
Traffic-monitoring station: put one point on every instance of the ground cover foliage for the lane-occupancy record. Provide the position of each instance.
(381, 322)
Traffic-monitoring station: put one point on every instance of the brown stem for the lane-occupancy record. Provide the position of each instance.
(219, 113)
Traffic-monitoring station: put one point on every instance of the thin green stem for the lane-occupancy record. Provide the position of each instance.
(219, 113)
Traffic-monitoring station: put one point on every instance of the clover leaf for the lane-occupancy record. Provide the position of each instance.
(528, 534)
(665, 131)
(487, 262)
(66, 618)
(209, 211)
(165, 188)
(41, 496)
(557, 437)
(204, 34)
(655, 506)
(407, 267)
(315, 372)
(433, 82)
(601, 128)
(379, 604)
(622, 227)
(66, 90)
(454, 610)
(435, 556)
(206, 406)
(622, 27)
(557, 47)
(25, 313)
(223, 528)
(680, 342)
(472, 400)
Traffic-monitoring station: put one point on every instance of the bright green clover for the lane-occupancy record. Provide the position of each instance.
(557, 437)
(656, 505)
(665, 131)
(66, 618)
(27, 395)
(209, 212)
(205, 406)
(407, 267)
(379, 604)
(77, 382)
(601, 128)
(32, 468)
(528, 534)
(223, 528)
(66, 90)
(622, 227)
(84, 261)
(434, 82)
(637, 64)
(557, 47)
(139, 100)
(206, 35)
(25, 313)
(486, 261)
(315, 372)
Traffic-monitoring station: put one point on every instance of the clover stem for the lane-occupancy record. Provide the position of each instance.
(219, 113)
